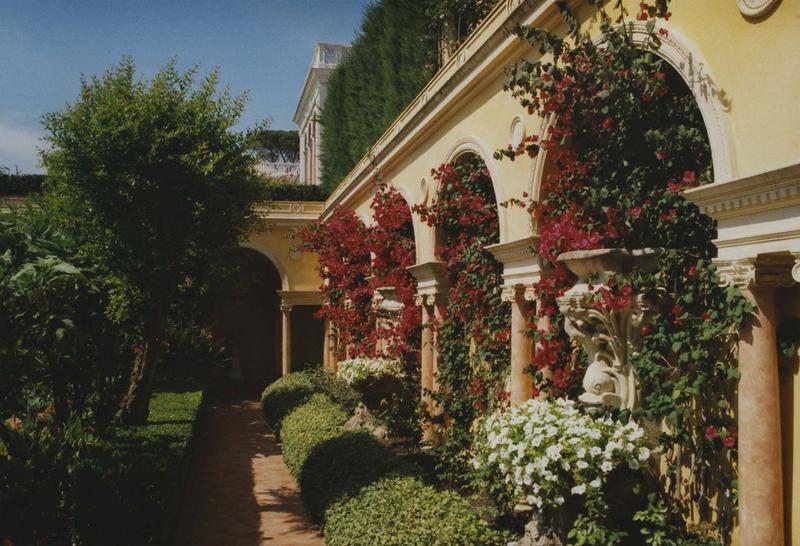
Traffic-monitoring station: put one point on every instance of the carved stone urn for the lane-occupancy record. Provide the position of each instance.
(608, 334)
(388, 308)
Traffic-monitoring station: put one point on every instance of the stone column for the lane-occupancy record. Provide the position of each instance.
(432, 287)
(286, 339)
(521, 343)
(427, 356)
(326, 345)
(758, 412)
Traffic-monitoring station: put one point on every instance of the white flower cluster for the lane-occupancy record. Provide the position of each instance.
(546, 450)
(358, 369)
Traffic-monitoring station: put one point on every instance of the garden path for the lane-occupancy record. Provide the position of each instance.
(240, 492)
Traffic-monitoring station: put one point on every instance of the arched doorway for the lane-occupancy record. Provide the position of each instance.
(248, 317)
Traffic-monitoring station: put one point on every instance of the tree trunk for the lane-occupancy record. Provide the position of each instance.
(136, 404)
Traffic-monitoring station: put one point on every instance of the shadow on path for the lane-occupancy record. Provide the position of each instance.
(240, 492)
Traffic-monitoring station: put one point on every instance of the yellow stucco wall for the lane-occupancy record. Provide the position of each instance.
(298, 270)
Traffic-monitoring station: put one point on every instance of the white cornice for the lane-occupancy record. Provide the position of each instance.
(744, 196)
(466, 71)
(291, 213)
(510, 252)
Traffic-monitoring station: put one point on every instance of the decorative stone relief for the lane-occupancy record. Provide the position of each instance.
(756, 8)
(769, 271)
(512, 293)
(429, 299)
(517, 134)
(609, 336)
(796, 267)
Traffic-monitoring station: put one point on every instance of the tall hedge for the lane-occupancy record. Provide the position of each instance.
(392, 58)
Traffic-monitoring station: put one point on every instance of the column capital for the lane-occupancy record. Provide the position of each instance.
(521, 263)
(430, 299)
(765, 271)
(517, 292)
(432, 283)
(286, 307)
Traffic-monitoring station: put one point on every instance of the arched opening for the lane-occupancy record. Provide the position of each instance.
(248, 317)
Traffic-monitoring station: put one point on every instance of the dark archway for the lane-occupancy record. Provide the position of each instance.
(248, 317)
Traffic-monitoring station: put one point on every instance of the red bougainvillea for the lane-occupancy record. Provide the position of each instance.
(342, 244)
(393, 250)
(473, 338)
(355, 260)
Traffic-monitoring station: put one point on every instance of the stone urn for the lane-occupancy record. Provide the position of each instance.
(609, 335)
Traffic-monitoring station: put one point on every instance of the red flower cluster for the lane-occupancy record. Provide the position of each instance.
(354, 260)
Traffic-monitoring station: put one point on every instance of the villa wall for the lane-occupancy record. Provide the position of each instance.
(744, 72)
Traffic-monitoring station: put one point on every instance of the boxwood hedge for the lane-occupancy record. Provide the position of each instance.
(295, 389)
(355, 486)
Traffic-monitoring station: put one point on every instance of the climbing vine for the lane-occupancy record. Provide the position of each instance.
(624, 139)
(392, 245)
(473, 337)
(354, 261)
(341, 242)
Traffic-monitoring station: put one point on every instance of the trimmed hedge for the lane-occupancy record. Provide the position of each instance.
(295, 389)
(129, 487)
(403, 511)
(358, 489)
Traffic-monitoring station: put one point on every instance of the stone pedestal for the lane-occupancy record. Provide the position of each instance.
(608, 335)
(388, 308)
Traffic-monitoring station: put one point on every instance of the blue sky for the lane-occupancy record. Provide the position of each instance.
(263, 46)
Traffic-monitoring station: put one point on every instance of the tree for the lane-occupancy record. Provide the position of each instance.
(160, 189)
(273, 144)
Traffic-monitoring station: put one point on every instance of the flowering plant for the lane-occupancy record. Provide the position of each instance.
(473, 337)
(615, 165)
(357, 370)
(546, 450)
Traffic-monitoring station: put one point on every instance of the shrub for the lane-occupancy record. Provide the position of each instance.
(366, 495)
(295, 389)
(548, 450)
(309, 425)
(402, 511)
(357, 370)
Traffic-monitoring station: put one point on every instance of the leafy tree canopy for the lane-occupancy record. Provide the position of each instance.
(273, 144)
(159, 187)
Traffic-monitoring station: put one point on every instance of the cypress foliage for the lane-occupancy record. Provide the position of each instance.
(392, 58)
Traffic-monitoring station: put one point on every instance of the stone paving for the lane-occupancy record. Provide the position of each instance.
(240, 492)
